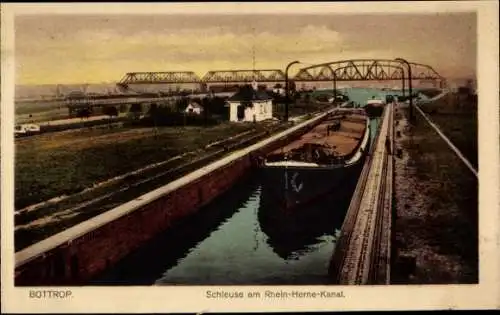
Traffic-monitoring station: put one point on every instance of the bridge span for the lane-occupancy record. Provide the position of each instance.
(336, 71)
(354, 70)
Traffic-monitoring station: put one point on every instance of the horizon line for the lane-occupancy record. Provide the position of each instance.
(464, 77)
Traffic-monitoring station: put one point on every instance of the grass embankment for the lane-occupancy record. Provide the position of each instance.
(457, 117)
(33, 112)
(33, 107)
(51, 165)
(436, 201)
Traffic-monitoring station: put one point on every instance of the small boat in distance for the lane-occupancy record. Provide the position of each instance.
(374, 107)
(321, 161)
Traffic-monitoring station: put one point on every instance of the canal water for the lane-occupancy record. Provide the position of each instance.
(230, 242)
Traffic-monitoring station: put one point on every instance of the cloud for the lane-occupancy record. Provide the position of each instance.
(168, 49)
(91, 49)
(205, 43)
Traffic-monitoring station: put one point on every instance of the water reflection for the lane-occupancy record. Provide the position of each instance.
(291, 233)
(147, 264)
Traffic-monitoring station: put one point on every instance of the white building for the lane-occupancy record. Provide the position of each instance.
(194, 108)
(250, 104)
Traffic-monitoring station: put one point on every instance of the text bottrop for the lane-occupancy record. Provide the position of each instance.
(278, 294)
(51, 294)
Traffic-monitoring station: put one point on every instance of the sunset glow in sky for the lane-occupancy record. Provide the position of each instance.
(102, 48)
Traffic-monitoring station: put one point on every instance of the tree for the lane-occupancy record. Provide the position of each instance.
(181, 104)
(83, 113)
(292, 86)
(470, 85)
(205, 104)
(218, 106)
(135, 110)
(307, 98)
(110, 111)
(153, 111)
(471, 97)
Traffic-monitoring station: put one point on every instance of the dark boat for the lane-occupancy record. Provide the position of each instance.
(322, 161)
(374, 107)
(292, 234)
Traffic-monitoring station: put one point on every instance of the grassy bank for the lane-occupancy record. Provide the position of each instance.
(42, 116)
(436, 205)
(457, 117)
(27, 107)
(50, 165)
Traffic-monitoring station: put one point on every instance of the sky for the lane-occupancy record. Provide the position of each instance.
(69, 49)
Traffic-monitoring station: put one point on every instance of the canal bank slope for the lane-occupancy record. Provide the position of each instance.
(435, 235)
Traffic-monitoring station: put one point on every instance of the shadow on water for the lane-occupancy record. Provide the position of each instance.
(147, 264)
(291, 233)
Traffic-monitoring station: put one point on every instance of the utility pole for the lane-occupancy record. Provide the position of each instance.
(334, 74)
(404, 61)
(287, 88)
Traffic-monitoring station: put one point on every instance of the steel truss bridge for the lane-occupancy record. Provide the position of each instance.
(345, 70)
(366, 70)
(219, 76)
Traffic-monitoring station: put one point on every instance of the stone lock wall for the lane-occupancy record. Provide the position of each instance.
(80, 259)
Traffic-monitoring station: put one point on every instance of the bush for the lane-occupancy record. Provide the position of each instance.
(163, 116)
(83, 124)
(322, 98)
(430, 93)
(110, 111)
(83, 112)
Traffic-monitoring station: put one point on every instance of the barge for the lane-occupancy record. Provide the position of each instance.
(374, 107)
(320, 162)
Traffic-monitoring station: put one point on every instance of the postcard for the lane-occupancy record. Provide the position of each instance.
(209, 157)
